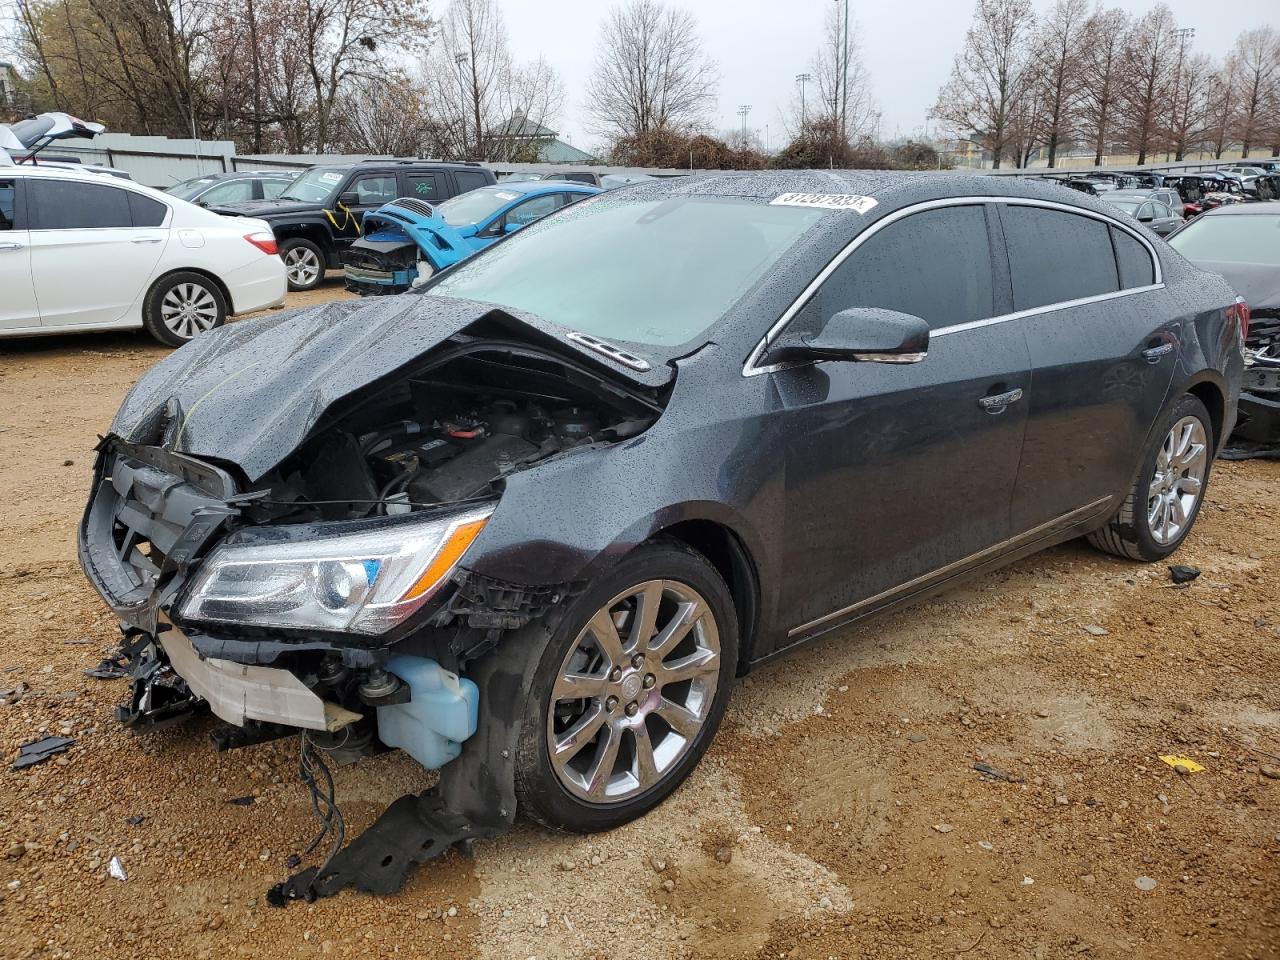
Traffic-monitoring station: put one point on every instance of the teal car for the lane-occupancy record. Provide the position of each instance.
(404, 242)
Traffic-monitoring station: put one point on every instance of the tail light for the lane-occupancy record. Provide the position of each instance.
(264, 241)
(1239, 311)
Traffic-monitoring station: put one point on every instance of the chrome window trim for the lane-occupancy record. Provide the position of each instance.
(1027, 536)
(751, 368)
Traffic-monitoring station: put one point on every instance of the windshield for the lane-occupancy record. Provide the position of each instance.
(188, 188)
(475, 206)
(656, 272)
(1128, 206)
(1253, 238)
(314, 186)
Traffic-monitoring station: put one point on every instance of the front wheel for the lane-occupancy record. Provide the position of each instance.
(629, 691)
(1165, 500)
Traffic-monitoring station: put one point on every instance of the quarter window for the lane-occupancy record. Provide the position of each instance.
(71, 205)
(8, 200)
(146, 211)
(1056, 256)
(469, 180)
(1136, 268)
(935, 265)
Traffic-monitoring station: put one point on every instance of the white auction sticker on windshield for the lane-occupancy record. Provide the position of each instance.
(826, 201)
(330, 177)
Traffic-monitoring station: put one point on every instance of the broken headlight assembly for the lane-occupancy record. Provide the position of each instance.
(356, 577)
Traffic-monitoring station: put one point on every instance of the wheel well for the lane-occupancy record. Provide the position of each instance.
(725, 552)
(1208, 393)
(312, 233)
(211, 277)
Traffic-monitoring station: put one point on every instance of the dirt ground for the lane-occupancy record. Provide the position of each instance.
(838, 814)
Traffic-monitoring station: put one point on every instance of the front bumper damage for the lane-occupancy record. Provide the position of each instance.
(1257, 431)
(151, 517)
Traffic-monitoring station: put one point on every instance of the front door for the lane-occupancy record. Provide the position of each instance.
(896, 471)
(1102, 358)
(18, 300)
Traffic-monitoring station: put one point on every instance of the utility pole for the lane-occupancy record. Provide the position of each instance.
(460, 59)
(743, 110)
(802, 79)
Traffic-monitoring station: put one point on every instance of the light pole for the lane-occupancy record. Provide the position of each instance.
(1184, 35)
(842, 74)
(743, 110)
(460, 59)
(802, 79)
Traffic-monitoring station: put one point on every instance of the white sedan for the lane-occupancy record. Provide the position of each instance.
(80, 252)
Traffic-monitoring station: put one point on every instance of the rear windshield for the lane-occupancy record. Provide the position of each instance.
(1249, 238)
(655, 272)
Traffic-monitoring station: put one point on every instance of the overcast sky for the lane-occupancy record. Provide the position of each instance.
(760, 45)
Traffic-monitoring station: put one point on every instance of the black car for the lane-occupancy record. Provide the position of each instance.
(531, 521)
(319, 214)
(1241, 242)
(216, 189)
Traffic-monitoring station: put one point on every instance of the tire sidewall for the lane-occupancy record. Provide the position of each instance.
(537, 783)
(154, 322)
(1188, 405)
(320, 260)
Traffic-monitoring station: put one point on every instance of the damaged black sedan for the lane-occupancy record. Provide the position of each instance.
(528, 523)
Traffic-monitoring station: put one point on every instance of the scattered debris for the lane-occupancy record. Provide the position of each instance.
(986, 845)
(1145, 883)
(293, 860)
(78, 642)
(1183, 765)
(38, 751)
(917, 737)
(724, 854)
(116, 869)
(14, 694)
(241, 801)
(108, 670)
(1181, 573)
(943, 827)
(1027, 881)
(135, 820)
(989, 771)
(1271, 773)
(1096, 631)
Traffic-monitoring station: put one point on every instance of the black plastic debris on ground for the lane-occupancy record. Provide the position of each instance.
(989, 771)
(1181, 573)
(135, 820)
(241, 801)
(38, 751)
(107, 670)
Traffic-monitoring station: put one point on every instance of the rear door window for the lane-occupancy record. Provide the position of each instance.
(146, 211)
(424, 185)
(935, 265)
(72, 205)
(8, 204)
(1055, 256)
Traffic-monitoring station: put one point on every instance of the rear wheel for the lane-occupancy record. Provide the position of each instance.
(629, 692)
(303, 263)
(1159, 511)
(182, 305)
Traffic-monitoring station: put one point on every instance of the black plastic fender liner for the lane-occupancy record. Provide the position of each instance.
(474, 799)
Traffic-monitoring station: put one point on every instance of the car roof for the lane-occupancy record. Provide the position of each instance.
(1263, 208)
(533, 187)
(1131, 194)
(61, 170)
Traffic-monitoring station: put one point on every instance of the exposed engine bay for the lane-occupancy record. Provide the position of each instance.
(1257, 432)
(453, 432)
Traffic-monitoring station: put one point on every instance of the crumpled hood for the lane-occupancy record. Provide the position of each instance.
(1258, 283)
(249, 392)
(264, 208)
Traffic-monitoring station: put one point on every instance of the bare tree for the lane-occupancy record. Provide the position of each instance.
(651, 72)
(1102, 52)
(385, 115)
(1219, 102)
(1145, 78)
(1188, 123)
(988, 77)
(840, 73)
(1057, 72)
(1256, 58)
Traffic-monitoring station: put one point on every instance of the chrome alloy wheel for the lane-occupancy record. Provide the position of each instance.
(1178, 481)
(633, 691)
(302, 266)
(187, 309)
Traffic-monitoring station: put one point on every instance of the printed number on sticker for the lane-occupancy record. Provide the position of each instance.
(827, 201)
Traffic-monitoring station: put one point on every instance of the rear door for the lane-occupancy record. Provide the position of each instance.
(17, 294)
(895, 471)
(89, 262)
(1102, 356)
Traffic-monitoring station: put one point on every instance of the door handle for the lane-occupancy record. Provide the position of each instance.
(146, 239)
(10, 245)
(1153, 354)
(996, 403)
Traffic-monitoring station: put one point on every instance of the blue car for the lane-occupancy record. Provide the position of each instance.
(404, 242)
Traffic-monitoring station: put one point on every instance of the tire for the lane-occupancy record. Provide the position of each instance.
(181, 305)
(632, 702)
(304, 263)
(1143, 529)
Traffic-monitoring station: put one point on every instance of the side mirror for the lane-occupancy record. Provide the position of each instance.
(867, 334)
(350, 199)
(511, 227)
(1145, 218)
